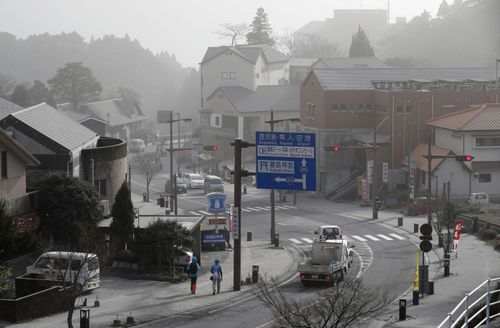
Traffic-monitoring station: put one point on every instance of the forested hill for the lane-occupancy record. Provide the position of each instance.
(115, 62)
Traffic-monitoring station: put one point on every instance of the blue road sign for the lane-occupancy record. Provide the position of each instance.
(210, 238)
(286, 161)
(216, 203)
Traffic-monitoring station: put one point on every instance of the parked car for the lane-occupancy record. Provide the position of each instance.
(328, 232)
(184, 256)
(194, 180)
(136, 145)
(479, 198)
(213, 183)
(181, 186)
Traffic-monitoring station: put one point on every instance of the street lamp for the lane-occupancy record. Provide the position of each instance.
(171, 150)
(271, 122)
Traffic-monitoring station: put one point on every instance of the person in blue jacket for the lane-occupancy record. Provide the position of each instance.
(193, 270)
(216, 271)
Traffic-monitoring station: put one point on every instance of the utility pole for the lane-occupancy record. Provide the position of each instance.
(272, 195)
(429, 182)
(374, 170)
(238, 174)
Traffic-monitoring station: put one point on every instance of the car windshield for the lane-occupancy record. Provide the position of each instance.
(196, 177)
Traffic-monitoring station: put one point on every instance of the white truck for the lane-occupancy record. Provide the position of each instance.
(328, 263)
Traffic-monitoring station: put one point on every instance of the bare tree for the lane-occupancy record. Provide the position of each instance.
(312, 46)
(234, 32)
(339, 306)
(7, 84)
(149, 164)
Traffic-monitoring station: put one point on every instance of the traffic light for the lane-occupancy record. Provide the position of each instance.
(335, 149)
(210, 148)
(426, 231)
(464, 158)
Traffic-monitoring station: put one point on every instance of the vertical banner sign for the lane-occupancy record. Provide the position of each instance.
(369, 171)
(236, 219)
(385, 172)
(416, 278)
(231, 211)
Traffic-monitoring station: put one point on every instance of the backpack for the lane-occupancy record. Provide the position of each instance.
(192, 268)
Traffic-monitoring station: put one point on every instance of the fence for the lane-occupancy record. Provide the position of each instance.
(476, 308)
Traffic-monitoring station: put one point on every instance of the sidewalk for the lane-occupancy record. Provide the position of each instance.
(475, 261)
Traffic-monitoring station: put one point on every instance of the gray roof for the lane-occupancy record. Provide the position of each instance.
(7, 107)
(80, 117)
(55, 125)
(277, 97)
(234, 94)
(115, 111)
(306, 62)
(250, 53)
(361, 78)
(356, 62)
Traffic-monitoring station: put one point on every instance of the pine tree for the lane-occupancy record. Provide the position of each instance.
(360, 46)
(122, 212)
(20, 96)
(444, 9)
(261, 29)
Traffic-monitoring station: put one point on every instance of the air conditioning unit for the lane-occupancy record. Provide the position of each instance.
(105, 207)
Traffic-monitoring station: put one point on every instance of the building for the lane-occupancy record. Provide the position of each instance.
(345, 106)
(61, 144)
(7, 107)
(245, 66)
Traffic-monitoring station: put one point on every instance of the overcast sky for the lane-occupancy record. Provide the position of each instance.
(184, 28)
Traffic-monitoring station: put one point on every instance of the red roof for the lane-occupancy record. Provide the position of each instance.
(484, 118)
(423, 149)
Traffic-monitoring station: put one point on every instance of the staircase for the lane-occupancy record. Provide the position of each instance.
(345, 189)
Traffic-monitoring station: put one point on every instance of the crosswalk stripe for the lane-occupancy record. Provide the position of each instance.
(206, 213)
(307, 240)
(194, 213)
(281, 207)
(359, 238)
(251, 209)
(267, 208)
(288, 206)
(396, 236)
(295, 241)
(372, 238)
(384, 237)
(245, 210)
(260, 208)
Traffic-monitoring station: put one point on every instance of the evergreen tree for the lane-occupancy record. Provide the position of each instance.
(122, 226)
(261, 29)
(38, 92)
(444, 9)
(360, 46)
(20, 96)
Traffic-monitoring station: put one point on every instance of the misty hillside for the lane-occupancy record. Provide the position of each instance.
(465, 33)
(115, 62)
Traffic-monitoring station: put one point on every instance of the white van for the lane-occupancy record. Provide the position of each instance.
(328, 232)
(71, 267)
(479, 198)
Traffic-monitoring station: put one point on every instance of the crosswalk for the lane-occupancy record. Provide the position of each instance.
(302, 241)
(252, 209)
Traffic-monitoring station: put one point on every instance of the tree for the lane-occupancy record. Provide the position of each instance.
(69, 208)
(7, 83)
(234, 32)
(312, 46)
(129, 94)
(20, 96)
(5, 279)
(76, 84)
(38, 92)
(150, 165)
(360, 46)
(166, 236)
(7, 232)
(122, 212)
(444, 9)
(261, 29)
(339, 306)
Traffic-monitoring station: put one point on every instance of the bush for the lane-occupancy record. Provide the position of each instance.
(487, 234)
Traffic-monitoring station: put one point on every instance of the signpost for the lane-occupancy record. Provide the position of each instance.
(385, 172)
(369, 171)
(286, 161)
(236, 219)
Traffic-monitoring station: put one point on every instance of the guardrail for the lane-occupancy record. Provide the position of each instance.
(470, 308)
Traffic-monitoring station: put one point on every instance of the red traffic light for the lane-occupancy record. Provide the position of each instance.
(335, 149)
(464, 158)
(210, 148)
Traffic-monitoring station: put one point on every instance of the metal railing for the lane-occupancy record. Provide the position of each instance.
(477, 302)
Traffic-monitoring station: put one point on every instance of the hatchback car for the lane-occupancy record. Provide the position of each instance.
(181, 186)
(184, 256)
(194, 180)
(213, 183)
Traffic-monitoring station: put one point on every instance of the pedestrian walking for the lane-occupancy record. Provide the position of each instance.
(194, 268)
(216, 278)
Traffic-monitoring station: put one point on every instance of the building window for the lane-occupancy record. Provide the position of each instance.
(335, 108)
(423, 178)
(4, 164)
(399, 109)
(408, 109)
(493, 141)
(232, 75)
(484, 177)
(224, 76)
(311, 110)
(343, 107)
(101, 187)
(257, 75)
(368, 107)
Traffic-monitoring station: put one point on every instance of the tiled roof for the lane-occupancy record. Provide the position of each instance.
(356, 62)
(361, 78)
(484, 118)
(115, 111)
(16, 148)
(423, 149)
(80, 117)
(250, 53)
(7, 107)
(234, 94)
(55, 125)
(302, 61)
(277, 97)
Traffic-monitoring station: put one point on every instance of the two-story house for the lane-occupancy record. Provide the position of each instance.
(245, 66)
(473, 131)
(61, 144)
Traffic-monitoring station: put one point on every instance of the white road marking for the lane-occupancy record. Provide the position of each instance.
(396, 236)
(245, 210)
(295, 241)
(281, 207)
(307, 240)
(372, 238)
(384, 237)
(206, 213)
(261, 208)
(359, 238)
(288, 206)
(251, 209)
(267, 208)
